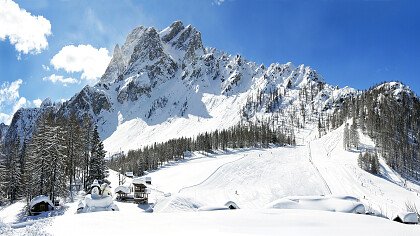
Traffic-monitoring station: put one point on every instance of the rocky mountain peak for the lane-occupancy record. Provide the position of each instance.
(170, 32)
(115, 68)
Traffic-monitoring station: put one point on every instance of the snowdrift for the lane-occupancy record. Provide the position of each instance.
(345, 204)
(178, 203)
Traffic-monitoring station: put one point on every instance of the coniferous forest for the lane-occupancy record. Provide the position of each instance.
(63, 153)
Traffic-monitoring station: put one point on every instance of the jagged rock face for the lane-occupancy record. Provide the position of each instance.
(90, 101)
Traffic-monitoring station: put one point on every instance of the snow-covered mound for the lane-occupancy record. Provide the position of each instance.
(346, 204)
(93, 204)
(177, 203)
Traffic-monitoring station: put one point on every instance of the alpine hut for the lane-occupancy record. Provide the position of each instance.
(40, 204)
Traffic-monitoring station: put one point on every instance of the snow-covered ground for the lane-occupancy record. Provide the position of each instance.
(281, 190)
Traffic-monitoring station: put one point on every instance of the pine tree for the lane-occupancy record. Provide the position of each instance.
(57, 158)
(97, 165)
(37, 167)
(74, 148)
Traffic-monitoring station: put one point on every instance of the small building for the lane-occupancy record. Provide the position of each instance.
(40, 204)
(122, 193)
(140, 190)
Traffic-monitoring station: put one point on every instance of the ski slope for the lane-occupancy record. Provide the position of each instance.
(281, 190)
(260, 177)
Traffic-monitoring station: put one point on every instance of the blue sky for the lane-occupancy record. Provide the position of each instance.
(354, 43)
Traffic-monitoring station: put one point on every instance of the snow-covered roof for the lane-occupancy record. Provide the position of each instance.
(408, 217)
(142, 180)
(39, 199)
(123, 189)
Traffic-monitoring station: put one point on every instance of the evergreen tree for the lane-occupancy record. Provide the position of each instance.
(97, 165)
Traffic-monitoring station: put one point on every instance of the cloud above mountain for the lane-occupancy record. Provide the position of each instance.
(86, 59)
(26, 32)
(60, 79)
(9, 96)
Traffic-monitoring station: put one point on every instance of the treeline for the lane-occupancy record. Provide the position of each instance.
(62, 152)
(239, 136)
(391, 118)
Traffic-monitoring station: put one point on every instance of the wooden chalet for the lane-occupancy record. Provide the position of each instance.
(140, 189)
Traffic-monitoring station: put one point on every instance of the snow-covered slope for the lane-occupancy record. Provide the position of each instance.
(386, 193)
(287, 190)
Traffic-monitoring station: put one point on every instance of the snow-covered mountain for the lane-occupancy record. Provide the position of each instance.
(163, 84)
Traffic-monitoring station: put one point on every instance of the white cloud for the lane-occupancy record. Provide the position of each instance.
(9, 97)
(37, 102)
(22, 102)
(60, 79)
(90, 61)
(26, 32)
(9, 92)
